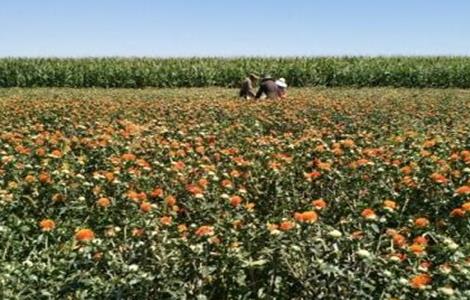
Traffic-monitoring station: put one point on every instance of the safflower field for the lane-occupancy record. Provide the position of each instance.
(193, 194)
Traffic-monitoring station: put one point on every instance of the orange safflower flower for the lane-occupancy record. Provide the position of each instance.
(307, 216)
(348, 143)
(226, 183)
(138, 232)
(429, 143)
(56, 153)
(250, 206)
(109, 176)
(134, 196)
(170, 201)
(438, 178)
(421, 240)
(357, 235)
(235, 200)
(237, 224)
(323, 166)
(58, 197)
(145, 207)
(466, 206)
(409, 181)
(84, 235)
(194, 189)
(406, 170)
(463, 190)
(128, 157)
(399, 240)
(103, 202)
(286, 225)
(319, 204)
(203, 182)
(205, 230)
(421, 222)
(420, 280)
(368, 213)
(44, 178)
(390, 204)
(41, 152)
(166, 220)
(417, 249)
(457, 213)
(312, 175)
(47, 225)
(182, 228)
(157, 192)
(30, 179)
(179, 165)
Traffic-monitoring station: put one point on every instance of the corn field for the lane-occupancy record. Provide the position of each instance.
(441, 72)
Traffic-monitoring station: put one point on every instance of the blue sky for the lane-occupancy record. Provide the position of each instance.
(233, 27)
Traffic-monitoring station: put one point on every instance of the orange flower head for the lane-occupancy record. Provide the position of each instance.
(44, 178)
(194, 189)
(235, 200)
(182, 228)
(319, 204)
(56, 153)
(157, 193)
(463, 190)
(166, 220)
(47, 225)
(84, 235)
(128, 157)
(138, 232)
(103, 202)
(399, 240)
(417, 249)
(312, 175)
(421, 280)
(368, 213)
(170, 201)
(307, 217)
(286, 225)
(457, 213)
(421, 240)
(439, 178)
(145, 207)
(226, 183)
(205, 230)
(421, 222)
(30, 179)
(466, 206)
(390, 204)
(406, 170)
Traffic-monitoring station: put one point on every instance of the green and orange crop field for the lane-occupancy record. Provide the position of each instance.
(193, 194)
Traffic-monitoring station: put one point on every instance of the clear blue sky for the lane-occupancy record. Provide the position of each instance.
(233, 27)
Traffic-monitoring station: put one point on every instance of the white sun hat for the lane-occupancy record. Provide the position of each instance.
(281, 82)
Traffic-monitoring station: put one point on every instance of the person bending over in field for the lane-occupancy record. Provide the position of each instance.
(281, 88)
(246, 90)
(269, 88)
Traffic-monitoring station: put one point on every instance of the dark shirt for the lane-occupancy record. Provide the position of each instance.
(268, 87)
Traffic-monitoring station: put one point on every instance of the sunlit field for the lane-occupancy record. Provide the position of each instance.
(192, 193)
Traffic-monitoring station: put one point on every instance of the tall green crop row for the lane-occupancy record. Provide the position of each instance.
(197, 72)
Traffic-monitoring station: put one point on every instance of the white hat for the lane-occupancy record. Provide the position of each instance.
(281, 82)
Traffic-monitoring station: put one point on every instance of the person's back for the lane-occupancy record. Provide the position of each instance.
(269, 88)
(246, 88)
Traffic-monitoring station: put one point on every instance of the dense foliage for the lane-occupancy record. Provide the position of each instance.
(198, 72)
(344, 194)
